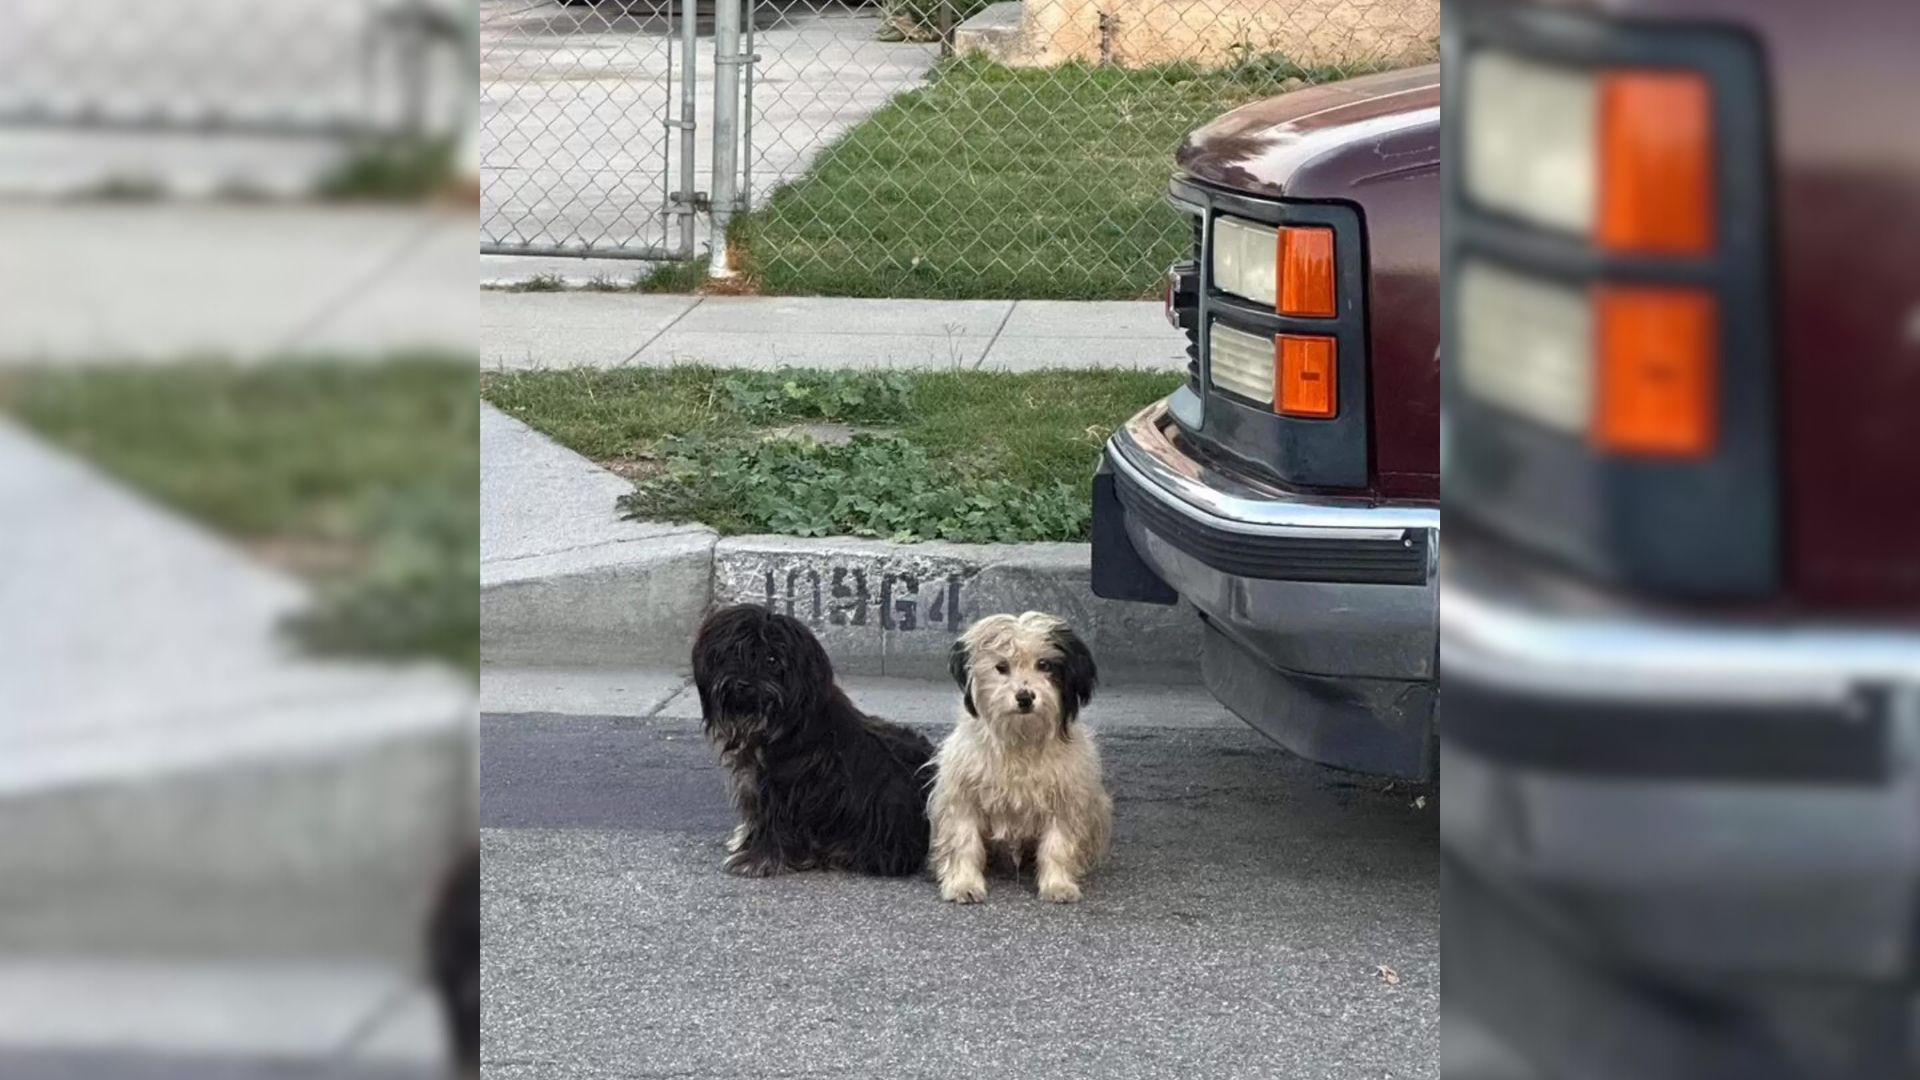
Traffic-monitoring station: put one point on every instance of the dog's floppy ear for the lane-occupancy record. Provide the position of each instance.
(959, 660)
(1078, 674)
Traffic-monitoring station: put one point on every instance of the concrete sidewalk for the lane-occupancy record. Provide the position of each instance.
(153, 282)
(591, 329)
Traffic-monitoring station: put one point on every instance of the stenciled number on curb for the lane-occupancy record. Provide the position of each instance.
(843, 597)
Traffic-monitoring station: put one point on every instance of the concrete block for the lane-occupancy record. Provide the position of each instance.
(175, 776)
(621, 604)
(333, 853)
(894, 609)
(564, 579)
(992, 32)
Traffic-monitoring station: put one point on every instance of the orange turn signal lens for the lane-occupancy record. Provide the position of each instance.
(1305, 376)
(1306, 271)
(1657, 383)
(1656, 163)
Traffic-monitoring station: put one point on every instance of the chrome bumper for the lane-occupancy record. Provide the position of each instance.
(1721, 799)
(1626, 657)
(1328, 612)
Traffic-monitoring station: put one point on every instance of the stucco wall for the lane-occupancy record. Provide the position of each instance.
(1143, 32)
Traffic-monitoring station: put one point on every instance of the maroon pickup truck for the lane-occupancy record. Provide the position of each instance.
(1290, 490)
(1681, 580)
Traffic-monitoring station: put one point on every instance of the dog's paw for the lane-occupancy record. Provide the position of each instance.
(1063, 891)
(748, 864)
(738, 840)
(970, 891)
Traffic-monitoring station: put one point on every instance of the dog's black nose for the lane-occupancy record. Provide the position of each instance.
(1024, 699)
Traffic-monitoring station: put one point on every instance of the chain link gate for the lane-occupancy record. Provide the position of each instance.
(589, 122)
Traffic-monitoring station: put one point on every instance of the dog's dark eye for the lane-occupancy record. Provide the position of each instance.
(1045, 665)
(1002, 667)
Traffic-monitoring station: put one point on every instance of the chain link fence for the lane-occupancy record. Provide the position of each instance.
(145, 71)
(947, 148)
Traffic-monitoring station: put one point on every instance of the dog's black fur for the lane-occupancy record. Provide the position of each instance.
(819, 784)
(454, 959)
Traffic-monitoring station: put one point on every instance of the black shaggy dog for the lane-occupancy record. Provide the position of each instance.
(818, 783)
(454, 959)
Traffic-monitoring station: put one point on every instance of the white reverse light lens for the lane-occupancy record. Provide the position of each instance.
(1530, 131)
(1526, 346)
(1242, 363)
(1245, 259)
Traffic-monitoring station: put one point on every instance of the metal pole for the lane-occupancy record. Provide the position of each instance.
(689, 53)
(726, 125)
(414, 61)
(752, 58)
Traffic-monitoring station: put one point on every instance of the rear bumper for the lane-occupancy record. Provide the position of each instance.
(1321, 616)
(1705, 799)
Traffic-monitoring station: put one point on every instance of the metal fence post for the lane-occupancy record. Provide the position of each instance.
(689, 99)
(744, 197)
(726, 125)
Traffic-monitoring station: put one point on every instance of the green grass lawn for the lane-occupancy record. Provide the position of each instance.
(1000, 182)
(951, 455)
(361, 477)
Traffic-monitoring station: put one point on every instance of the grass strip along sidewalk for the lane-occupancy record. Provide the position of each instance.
(969, 456)
(361, 477)
(993, 181)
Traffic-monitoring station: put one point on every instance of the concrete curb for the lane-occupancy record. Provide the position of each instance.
(565, 583)
(894, 609)
(880, 608)
(629, 604)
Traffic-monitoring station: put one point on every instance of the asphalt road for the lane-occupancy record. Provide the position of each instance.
(1240, 929)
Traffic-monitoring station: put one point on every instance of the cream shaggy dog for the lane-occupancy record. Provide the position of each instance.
(1019, 775)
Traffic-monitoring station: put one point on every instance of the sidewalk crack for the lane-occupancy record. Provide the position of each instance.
(405, 248)
(671, 323)
(661, 705)
(995, 339)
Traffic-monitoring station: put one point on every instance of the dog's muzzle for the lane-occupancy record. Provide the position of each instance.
(751, 696)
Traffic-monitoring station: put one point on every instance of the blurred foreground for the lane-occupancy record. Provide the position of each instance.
(1681, 614)
(236, 472)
